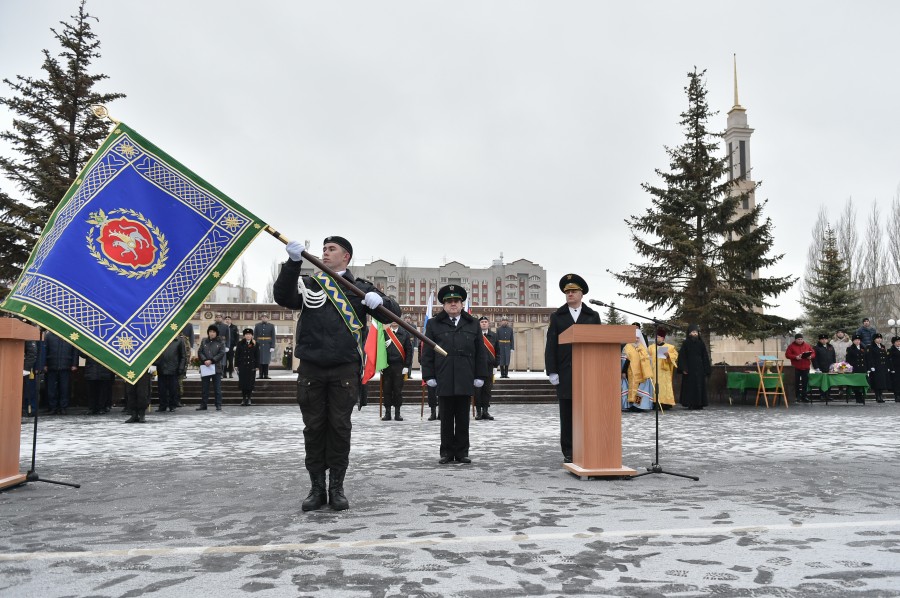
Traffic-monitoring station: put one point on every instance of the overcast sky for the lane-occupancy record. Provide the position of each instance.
(460, 130)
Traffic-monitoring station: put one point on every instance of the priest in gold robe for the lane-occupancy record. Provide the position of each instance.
(667, 355)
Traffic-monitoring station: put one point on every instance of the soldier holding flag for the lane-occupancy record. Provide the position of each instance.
(328, 344)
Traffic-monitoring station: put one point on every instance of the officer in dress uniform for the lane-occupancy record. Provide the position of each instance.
(264, 333)
(399, 355)
(483, 394)
(558, 358)
(456, 376)
(330, 354)
(506, 340)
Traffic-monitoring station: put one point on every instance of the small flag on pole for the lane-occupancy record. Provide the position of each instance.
(129, 254)
(376, 351)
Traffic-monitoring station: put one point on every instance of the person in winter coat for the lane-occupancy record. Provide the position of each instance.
(894, 366)
(800, 355)
(483, 394)
(137, 397)
(62, 360)
(558, 358)
(824, 356)
(35, 359)
(695, 367)
(99, 386)
(246, 360)
(211, 353)
(877, 364)
(856, 357)
(457, 375)
(169, 366)
(399, 356)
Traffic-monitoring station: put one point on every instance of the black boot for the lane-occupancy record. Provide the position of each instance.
(433, 415)
(387, 415)
(397, 414)
(336, 497)
(486, 415)
(478, 413)
(141, 414)
(243, 399)
(249, 399)
(133, 419)
(317, 496)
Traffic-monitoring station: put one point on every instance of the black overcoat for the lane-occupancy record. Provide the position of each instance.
(877, 364)
(894, 366)
(558, 358)
(171, 361)
(856, 357)
(695, 367)
(395, 358)
(466, 357)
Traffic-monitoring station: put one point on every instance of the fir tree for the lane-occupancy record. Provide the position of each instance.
(53, 135)
(701, 256)
(829, 300)
(612, 315)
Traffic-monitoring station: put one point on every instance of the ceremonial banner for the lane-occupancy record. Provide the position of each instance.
(376, 351)
(130, 253)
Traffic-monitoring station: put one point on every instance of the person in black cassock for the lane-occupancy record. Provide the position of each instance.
(330, 354)
(558, 358)
(877, 363)
(695, 367)
(246, 360)
(456, 376)
(856, 357)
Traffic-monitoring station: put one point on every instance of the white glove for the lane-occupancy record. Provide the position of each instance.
(405, 371)
(152, 369)
(227, 349)
(554, 379)
(25, 372)
(373, 300)
(295, 249)
(479, 383)
(432, 382)
(272, 350)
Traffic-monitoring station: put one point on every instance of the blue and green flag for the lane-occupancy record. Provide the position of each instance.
(132, 250)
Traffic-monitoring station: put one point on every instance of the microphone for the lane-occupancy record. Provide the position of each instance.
(596, 302)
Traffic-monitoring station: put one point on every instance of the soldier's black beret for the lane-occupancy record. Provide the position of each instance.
(339, 241)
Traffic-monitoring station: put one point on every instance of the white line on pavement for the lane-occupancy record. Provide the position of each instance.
(495, 538)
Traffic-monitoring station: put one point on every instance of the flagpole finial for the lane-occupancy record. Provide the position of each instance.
(101, 111)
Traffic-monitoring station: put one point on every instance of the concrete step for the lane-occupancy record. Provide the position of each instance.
(283, 391)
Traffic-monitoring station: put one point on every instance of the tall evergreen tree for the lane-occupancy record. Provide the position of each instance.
(828, 298)
(612, 315)
(52, 137)
(702, 257)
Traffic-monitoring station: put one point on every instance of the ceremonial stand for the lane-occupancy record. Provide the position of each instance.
(596, 402)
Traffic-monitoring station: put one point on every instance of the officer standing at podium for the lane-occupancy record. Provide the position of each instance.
(558, 358)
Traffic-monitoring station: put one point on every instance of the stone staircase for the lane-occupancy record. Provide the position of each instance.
(284, 391)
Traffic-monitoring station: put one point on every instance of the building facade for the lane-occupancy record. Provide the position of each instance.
(521, 283)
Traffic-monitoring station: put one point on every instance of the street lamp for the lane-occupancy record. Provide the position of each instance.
(894, 324)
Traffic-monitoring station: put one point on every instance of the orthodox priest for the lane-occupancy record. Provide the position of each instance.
(667, 355)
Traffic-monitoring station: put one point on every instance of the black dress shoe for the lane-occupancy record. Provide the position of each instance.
(386, 418)
(398, 418)
(463, 459)
(487, 416)
(201, 408)
(445, 460)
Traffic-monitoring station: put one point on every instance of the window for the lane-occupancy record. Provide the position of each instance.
(743, 157)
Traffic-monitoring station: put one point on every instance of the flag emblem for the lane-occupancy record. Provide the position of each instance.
(129, 246)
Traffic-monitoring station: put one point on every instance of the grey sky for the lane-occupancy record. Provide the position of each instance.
(533, 123)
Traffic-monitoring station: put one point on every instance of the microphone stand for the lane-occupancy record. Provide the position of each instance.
(654, 467)
(31, 475)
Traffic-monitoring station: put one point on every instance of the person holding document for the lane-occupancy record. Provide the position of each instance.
(800, 352)
(667, 356)
(212, 360)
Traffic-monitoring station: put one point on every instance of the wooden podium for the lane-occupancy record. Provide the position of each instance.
(13, 334)
(597, 399)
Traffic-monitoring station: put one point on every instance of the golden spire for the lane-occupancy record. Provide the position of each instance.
(737, 104)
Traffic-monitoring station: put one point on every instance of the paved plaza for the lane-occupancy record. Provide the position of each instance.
(791, 502)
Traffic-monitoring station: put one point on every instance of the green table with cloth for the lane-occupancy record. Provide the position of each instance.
(824, 382)
(741, 382)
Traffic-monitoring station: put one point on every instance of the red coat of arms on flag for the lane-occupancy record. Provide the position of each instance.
(130, 240)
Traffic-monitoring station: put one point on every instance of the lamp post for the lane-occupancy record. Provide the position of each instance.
(893, 324)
